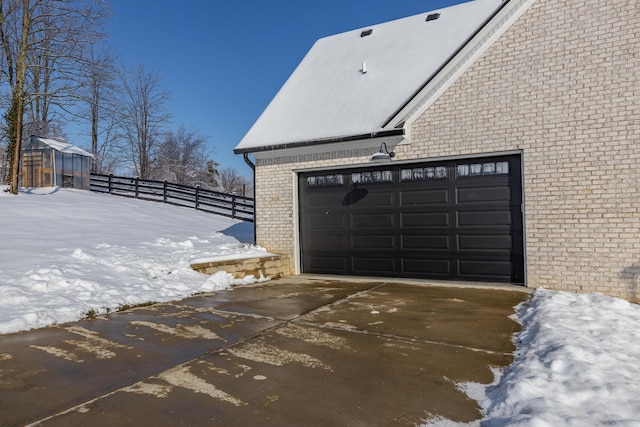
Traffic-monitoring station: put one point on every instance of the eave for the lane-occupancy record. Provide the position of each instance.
(337, 139)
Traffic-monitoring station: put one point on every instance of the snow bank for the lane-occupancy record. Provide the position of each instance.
(66, 252)
(577, 363)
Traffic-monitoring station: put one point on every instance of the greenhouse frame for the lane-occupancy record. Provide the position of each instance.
(51, 163)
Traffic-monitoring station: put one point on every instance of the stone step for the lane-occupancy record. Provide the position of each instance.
(269, 267)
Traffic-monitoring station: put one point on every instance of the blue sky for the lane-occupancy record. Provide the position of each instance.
(224, 61)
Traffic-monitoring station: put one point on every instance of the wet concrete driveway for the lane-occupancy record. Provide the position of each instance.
(303, 350)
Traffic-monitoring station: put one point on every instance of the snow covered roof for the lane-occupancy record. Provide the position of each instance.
(63, 147)
(354, 83)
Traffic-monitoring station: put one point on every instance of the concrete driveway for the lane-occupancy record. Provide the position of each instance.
(303, 350)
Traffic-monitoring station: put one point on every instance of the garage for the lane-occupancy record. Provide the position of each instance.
(448, 220)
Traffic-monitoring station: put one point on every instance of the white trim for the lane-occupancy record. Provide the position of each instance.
(465, 58)
(297, 262)
(54, 181)
(523, 206)
(334, 147)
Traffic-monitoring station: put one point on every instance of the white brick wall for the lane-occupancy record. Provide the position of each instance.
(561, 85)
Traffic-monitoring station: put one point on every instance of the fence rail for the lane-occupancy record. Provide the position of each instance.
(229, 205)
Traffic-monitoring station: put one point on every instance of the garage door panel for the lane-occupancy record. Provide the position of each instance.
(483, 195)
(373, 265)
(374, 200)
(487, 269)
(484, 242)
(366, 220)
(433, 268)
(323, 264)
(327, 241)
(488, 218)
(425, 219)
(373, 242)
(325, 220)
(426, 242)
(410, 197)
(322, 199)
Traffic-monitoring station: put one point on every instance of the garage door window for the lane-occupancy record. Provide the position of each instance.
(482, 169)
(375, 177)
(325, 181)
(423, 174)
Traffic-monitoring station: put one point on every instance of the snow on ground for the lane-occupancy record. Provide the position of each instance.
(577, 363)
(66, 252)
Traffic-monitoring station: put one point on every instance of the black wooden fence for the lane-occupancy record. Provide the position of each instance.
(224, 204)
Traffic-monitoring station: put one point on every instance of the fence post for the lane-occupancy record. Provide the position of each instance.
(109, 185)
(164, 191)
(136, 187)
(233, 207)
(197, 194)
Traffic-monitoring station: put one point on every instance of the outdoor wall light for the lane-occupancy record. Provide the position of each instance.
(383, 155)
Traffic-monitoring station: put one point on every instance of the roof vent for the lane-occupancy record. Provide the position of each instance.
(433, 17)
(365, 33)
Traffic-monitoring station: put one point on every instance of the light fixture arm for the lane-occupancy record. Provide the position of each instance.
(383, 154)
(384, 146)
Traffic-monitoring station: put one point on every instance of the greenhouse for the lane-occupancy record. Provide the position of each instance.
(51, 163)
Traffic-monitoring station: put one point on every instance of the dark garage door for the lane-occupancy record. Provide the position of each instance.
(452, 220)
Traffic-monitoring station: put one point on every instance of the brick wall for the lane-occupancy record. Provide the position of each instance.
(275, 220)
(561, 85)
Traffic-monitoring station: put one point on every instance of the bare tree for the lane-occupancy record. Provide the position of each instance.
(65, 35)
(41, 45)
(230, 181)
(40, 78)
(106, 149)
(143, 117)
(17, 71)
(182, 157)
(98, 95)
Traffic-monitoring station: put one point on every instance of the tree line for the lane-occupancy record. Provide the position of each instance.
(57, 69)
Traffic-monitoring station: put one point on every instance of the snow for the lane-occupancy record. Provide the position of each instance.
(329, 95)
(64, 253)
(577, 363)
(65, 147)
